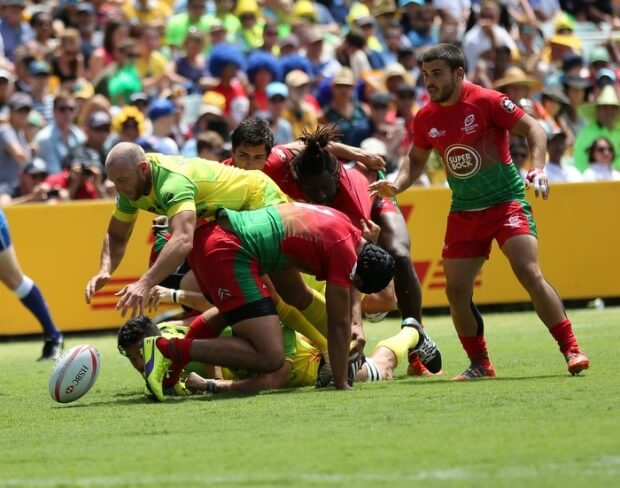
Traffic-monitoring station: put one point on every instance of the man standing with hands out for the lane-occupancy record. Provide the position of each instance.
(468, 126)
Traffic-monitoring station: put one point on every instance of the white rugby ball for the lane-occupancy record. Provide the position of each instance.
(74, 373)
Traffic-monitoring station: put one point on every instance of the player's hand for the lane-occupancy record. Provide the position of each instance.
(370, 230)
(134, 298)
(95, 284)
(371, 160)
(382, 188)
(536, 177)
(159, 294)
(358, 340)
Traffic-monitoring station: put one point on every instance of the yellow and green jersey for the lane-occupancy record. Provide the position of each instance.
(200, 185)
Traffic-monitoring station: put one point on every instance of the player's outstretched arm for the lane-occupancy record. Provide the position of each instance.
(112, 252)
(411, 168)
(134, 297)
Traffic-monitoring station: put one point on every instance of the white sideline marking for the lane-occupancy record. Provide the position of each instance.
(604, 466)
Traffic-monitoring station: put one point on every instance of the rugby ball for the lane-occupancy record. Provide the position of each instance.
(74, 373)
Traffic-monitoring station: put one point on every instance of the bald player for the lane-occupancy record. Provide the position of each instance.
(183, 189)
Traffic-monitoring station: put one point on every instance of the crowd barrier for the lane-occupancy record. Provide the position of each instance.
(58, 246)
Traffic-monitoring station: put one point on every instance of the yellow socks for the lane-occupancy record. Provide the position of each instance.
(316, 312)
(399, 344)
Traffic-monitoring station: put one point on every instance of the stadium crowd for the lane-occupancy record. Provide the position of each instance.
(178, 76)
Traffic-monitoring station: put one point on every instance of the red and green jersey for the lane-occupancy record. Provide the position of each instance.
(471, 136)
(317, 240)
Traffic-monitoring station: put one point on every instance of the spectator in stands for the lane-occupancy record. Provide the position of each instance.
(191, 63)
(422, 32)
(42, 100)
(555, 169)
(603, 118)
(32, 186)
(576, 89)
(601, 155)
(114, 33)
(128, 125)
(155, 71)
(147, 12)
(68, 61)
(13, 29)
(270, 38)
(277, 93)
(299, 113)
(210, 145)
(352, 53)
(43, 43)
(480, 40)
(56, 141)
(375, 124)
(225, 64)
(262, 69)
(98, 129)
(344, 111)
(86, 26)
(15, 151)
(179, 24)
(161, 113)
(82, 177)
(250, 34)
(520, 154)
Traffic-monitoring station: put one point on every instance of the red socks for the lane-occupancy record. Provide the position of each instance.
(175, 349)
(200, 329)
(563, 334)
(476, 349)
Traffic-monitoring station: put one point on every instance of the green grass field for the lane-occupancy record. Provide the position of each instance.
(532, 426)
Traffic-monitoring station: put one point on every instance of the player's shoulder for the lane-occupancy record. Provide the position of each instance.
(279, 154)
(477, 95)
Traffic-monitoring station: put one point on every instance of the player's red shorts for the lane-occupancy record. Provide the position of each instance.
(470, 234)
(225, 271)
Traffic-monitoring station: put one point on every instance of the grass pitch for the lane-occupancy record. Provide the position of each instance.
(532, 426)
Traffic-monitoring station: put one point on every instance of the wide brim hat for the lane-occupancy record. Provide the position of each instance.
(516, 76)
(607, 96)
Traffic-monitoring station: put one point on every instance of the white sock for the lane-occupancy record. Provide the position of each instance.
(24, 287)
(374, 373)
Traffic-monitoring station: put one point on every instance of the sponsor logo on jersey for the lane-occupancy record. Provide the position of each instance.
(508, 105)
(223, 293)
(434, 133)
(462, 161)
(514, 221)
(469, 124)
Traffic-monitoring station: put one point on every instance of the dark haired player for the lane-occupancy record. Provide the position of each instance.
(468, 126)
(230, 255)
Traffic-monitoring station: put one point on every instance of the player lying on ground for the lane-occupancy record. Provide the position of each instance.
(303, 365)
(230, 255)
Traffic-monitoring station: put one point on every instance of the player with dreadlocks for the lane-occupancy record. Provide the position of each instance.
(315, 175)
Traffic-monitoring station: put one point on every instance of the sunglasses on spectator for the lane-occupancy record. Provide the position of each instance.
(102, 128)
(65, 108)
(271, 33)
(406, 96)
(379, 106)
(130, 125)
(44, 23)
(196, 6)
(603, 149)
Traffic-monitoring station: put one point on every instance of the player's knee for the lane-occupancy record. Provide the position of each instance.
(458, 292)
(271, 361)
(528, 274)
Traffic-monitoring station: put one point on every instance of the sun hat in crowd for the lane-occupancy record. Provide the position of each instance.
(99, 119)
(38, 68)
(6, 75)
(556, 94)
(297, 78)
(599, 54)
(606, 72)
(607, 97)
(344, 77)
(515, 76)
(19, 101)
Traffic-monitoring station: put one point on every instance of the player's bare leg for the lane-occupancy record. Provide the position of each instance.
(522, 252)
(460, 277)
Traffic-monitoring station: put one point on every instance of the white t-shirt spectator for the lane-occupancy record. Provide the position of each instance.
(601, 172)
(556, 172)
(477, 42)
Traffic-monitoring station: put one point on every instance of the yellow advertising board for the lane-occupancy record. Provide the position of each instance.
(58, 246)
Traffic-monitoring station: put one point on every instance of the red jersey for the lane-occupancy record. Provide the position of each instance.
(471, 136)
(61, 180)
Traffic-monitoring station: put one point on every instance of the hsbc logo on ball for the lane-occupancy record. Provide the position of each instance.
(462, 161)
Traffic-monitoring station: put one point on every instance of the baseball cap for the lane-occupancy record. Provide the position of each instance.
(404, 3)
(6, 75)
(36, 167)
(161, 107)
(606, 72)
(599, 54)
(208, 108)
(37, 68)
(99, 119)
(556, 94)
(85, 7)
(344, 77)
(380, 98)
(276, 88)
(297, 78)
(571, 60)
(291, 40)
(138, 97)
(20, 100)
(394, 69)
